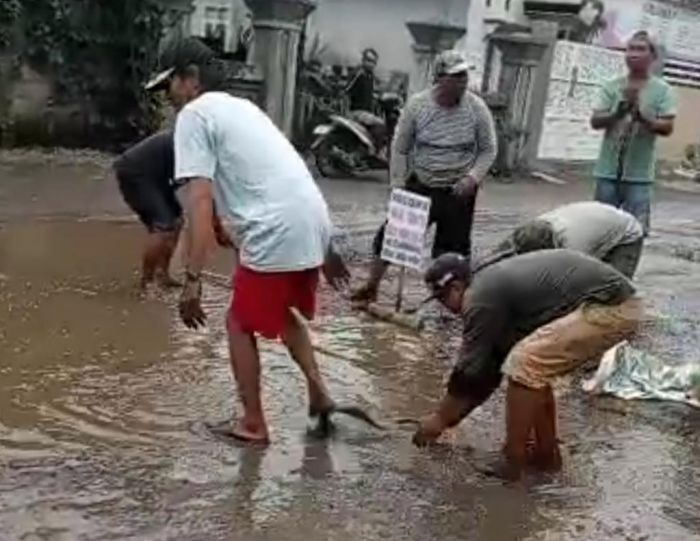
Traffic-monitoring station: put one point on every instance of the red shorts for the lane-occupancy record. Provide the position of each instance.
(261, 300)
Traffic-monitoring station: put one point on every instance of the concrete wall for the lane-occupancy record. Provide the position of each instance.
(474, 44)
(687, 129)
(346, 27)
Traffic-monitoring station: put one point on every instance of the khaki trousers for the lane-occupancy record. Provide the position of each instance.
(567, 343)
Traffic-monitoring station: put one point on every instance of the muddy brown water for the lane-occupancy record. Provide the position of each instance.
(103, 397)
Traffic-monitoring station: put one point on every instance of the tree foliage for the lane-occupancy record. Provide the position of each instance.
(9, 15)
(98, 53)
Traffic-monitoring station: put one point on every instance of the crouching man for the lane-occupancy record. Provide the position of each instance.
(532, 317)
(596, 229)
(145, 175)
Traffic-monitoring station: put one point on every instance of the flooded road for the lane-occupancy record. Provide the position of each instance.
(104, 396)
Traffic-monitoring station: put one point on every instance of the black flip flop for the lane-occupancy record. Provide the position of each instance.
(324, 429)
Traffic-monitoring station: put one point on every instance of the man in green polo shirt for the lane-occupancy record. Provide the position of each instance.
(633, 110)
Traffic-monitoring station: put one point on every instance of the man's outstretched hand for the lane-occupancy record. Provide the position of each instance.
(222, 238)
(335, 270)
(430, 428)
(190, 305)
(449, 413)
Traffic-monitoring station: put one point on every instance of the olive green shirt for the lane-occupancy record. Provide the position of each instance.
(656, 100)
(511, 299)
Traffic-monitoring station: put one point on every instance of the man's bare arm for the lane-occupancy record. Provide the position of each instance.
(449, 413)
(222, 237)
(401, 146)
(200, 211)
(487, 142)
(660, 126)
(603, 120)
(609, 110)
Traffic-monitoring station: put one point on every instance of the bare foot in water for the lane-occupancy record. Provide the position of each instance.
(246, 434)
(168, 282)
(240, 433)
(147, 290)
(502, 469)
(363, 296)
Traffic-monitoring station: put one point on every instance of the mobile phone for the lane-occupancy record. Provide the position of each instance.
(624, 107)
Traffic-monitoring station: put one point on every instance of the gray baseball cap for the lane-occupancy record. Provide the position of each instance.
(451, 63)
(445, 270)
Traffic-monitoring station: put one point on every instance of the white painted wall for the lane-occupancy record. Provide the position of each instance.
(477, 29)
(347, 27)
(474, 45)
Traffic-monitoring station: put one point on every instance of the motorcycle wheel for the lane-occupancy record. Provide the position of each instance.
(327, 164)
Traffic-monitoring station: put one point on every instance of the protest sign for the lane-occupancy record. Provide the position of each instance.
(404, 237)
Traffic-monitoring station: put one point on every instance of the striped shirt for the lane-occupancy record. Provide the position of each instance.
(443, 145)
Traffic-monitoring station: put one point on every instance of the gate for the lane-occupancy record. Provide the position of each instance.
(578, 71)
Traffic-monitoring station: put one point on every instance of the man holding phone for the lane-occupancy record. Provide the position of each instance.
(633, 110)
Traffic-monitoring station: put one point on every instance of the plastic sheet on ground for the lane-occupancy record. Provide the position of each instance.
(632, 374)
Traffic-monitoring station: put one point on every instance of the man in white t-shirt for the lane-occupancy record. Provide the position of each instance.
(228, 151)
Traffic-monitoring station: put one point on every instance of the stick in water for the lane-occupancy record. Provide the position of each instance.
(325, 426)
(399, 292)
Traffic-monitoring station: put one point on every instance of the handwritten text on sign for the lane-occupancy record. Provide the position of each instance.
(404, 237)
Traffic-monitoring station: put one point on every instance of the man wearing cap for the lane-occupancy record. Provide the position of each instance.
(444, 145)
(228, 150)
(601, 231)
(532, 317)
(633, 111)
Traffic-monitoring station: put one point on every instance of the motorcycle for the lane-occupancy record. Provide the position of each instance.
(358, 142)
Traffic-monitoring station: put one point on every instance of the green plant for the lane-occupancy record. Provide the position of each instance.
(9, 15)
(97, 54)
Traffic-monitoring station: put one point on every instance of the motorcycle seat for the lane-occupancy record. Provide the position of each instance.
(366, 118)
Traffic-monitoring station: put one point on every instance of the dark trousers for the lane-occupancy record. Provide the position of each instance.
(452, 215)
(154, 203)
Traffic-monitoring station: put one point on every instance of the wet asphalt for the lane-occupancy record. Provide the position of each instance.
(104, 395)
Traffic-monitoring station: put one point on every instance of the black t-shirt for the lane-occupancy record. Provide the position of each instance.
(361, 92)
(151, 160)
(513, 298)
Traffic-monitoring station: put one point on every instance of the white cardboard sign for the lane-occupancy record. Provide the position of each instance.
(404, 237)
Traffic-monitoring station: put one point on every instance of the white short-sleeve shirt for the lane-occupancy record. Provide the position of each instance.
(261, 184)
